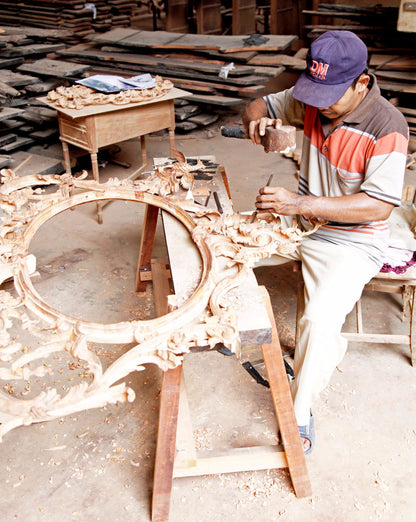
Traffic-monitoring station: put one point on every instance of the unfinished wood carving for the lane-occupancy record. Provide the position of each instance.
(203, 320)
(78, 96)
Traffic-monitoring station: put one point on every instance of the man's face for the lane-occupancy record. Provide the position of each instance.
(348, 102)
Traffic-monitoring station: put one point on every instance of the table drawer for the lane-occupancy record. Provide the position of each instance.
(74, 132)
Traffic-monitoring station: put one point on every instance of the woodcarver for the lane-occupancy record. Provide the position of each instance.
(351, 175)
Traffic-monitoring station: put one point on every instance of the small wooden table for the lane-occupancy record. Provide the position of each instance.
(96, 126)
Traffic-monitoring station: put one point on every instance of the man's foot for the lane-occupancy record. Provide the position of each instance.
(307, 435)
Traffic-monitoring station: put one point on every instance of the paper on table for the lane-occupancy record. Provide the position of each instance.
(108, 83)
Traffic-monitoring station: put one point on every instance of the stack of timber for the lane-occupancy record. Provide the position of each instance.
(82, 18)
(391, 52)
(220, 71)
(23, 120)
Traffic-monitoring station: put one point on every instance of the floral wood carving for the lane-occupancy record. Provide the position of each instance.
(78, 96)
(205, 319)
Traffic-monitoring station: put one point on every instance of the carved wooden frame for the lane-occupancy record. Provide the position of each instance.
(203, 319)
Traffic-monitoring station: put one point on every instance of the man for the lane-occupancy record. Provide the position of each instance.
(351, 175)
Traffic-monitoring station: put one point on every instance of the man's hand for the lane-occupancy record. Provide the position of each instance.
(278, 200)
(256, 118)
(256, 128)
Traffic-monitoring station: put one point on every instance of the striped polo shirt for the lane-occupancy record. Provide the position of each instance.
(365, 153)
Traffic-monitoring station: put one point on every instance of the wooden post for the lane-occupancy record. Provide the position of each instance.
(169, 408)
(146, 244)
(283, 406)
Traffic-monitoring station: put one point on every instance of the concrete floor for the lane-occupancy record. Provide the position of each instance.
(97, 465)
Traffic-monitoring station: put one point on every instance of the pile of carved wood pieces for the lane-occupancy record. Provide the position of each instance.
(221, 72)
(82, 18)
(391, 51)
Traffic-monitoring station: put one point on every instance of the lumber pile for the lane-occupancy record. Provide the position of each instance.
(80, 17)
(23, 120)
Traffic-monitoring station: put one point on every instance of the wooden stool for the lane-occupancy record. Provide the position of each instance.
(389, 282)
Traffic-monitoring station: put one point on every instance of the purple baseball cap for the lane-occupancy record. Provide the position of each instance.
(333, 61)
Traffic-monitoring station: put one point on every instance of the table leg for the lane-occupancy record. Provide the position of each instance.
(143, 149)
(172, 142)
(285, 414)
(67, 159)
(146, 244)
(96, 175)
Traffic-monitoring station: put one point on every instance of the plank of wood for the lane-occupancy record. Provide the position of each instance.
(55, 68)
(271, 72)
(407, 111)
(10, 62)
(232, 461)
(7, 90)
(406, 21)
(165, 445)
(397, 86)
(35, 32)
(31, 163)
(221, 101)
(146, 244)
(43, 87)
(19, 143)
(405, 76)
(167, 62)
(166, 40)
(204, 119)
(392, 62)
(278, 60)
(31, 50)
(14, 79)
(9, 112)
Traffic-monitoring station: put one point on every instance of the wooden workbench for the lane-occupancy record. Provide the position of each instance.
(175, 453)
(96, 126)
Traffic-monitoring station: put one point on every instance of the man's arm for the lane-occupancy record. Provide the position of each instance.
(355, 208)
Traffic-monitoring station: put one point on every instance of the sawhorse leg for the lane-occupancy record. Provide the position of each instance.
(146, 245)
(169, 407)
(166, 444)
(283, 405)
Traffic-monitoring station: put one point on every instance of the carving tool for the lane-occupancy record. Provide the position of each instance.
(217, 202)
(253, 218)
(282, 139)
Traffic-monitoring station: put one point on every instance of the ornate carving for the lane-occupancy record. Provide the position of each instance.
(204, 319)
(78, 96)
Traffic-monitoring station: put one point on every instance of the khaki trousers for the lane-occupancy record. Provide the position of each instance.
(334, 277)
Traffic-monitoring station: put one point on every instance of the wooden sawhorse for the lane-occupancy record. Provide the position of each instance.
(174, 415)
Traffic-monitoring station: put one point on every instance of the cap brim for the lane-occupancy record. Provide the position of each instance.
(316, 94)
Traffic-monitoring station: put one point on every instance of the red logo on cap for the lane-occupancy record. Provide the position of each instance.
(319, 69)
